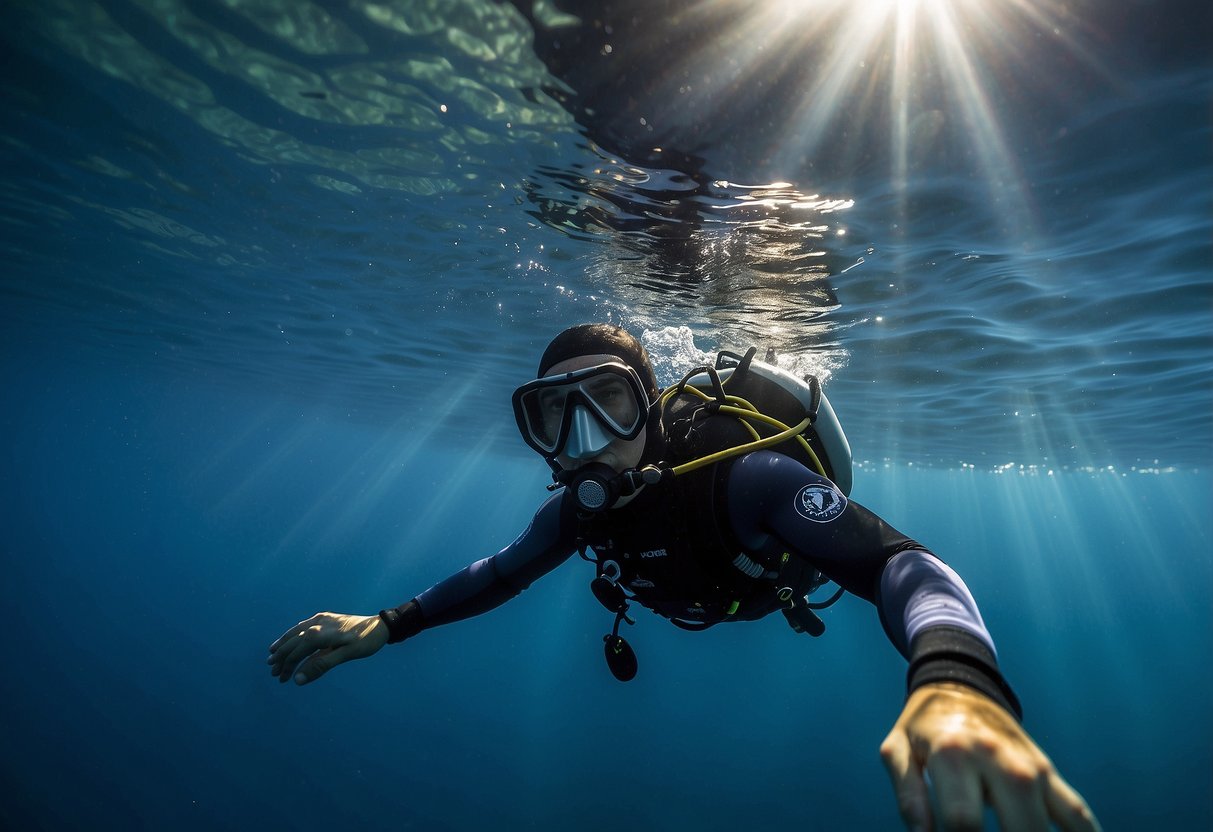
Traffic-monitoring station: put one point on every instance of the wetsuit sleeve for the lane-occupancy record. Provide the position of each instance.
(941, 633)
(775, 503)
(919, 591)
(547, 542)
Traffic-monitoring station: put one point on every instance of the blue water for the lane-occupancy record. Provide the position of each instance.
(273, 270)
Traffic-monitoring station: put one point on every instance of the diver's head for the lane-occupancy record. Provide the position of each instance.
(601, 339)
(590, 404)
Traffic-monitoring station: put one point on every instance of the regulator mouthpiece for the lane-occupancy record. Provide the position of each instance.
(596, 487)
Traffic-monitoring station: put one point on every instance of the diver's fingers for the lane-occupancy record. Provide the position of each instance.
(322, 661)
(958, 791)
(1067, 807)
(285, 640)
(285, 661)
(291, 633)
(282, 639)
(306, 637)
(327, 639)
(359, 637)
(1016, 792)
(909, 786)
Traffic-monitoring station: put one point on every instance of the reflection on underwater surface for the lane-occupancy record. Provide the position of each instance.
(358, 201)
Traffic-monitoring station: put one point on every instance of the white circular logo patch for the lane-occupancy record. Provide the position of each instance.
(820, 502)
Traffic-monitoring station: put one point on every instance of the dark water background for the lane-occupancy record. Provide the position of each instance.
(265, 300)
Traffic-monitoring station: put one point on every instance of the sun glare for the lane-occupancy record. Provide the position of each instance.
(912, 81)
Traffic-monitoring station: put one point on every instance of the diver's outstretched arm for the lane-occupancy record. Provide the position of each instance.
(958, 730)
(311, 648)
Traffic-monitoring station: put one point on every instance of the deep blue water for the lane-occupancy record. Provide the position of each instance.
(273, 269)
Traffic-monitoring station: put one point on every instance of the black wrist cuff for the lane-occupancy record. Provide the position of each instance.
(949, 654)
(405, 621)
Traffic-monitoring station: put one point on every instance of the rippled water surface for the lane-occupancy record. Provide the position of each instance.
(359, 201)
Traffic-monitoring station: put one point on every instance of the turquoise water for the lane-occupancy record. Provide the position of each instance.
(273, 271)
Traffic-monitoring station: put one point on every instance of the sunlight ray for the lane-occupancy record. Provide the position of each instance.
(434, 508)
(372, 475)
(864, 74)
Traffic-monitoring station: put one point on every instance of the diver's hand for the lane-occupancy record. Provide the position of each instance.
(974, 752)
(312, 648)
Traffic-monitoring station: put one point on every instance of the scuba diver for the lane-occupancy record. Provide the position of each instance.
(725, 498)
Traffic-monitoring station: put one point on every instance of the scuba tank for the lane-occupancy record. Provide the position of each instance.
(767, 401)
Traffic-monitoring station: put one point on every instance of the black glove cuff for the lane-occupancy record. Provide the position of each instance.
(949, 654)
(405, 621)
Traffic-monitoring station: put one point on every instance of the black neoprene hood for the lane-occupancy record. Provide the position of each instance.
(604, 339)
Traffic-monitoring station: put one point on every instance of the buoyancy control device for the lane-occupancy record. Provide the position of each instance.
(718, 412)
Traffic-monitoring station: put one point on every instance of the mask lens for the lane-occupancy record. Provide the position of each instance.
(610, 393)
(543, 410)
(549, 407)
(614, 400)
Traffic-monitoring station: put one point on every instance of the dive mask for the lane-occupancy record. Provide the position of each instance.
(578, 414)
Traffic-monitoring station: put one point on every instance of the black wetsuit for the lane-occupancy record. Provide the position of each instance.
(771, 505)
